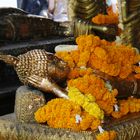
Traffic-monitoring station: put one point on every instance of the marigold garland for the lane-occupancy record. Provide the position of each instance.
(61, 113)
(90, 84)
(110, 58)
(110, 18)
(87, 102)
(130, 105)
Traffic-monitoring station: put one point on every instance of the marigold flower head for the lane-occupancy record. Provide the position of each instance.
(106, 135)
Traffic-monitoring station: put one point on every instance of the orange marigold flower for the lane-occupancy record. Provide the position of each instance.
(74, 73)
(124, 107)
(105, 19)
(100, 52)
(106, 106)
(95, 124)
(107, 135)
(83, 59)
(79, 72)
(137, 76)
(112, 135)
(116, 114)
(103, 136)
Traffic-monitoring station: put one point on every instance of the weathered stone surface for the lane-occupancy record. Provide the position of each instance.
(27, 102)
(10, 130)
(127, 129)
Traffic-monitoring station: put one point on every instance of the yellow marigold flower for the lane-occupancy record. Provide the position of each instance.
(90, 97)
(91, 107)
